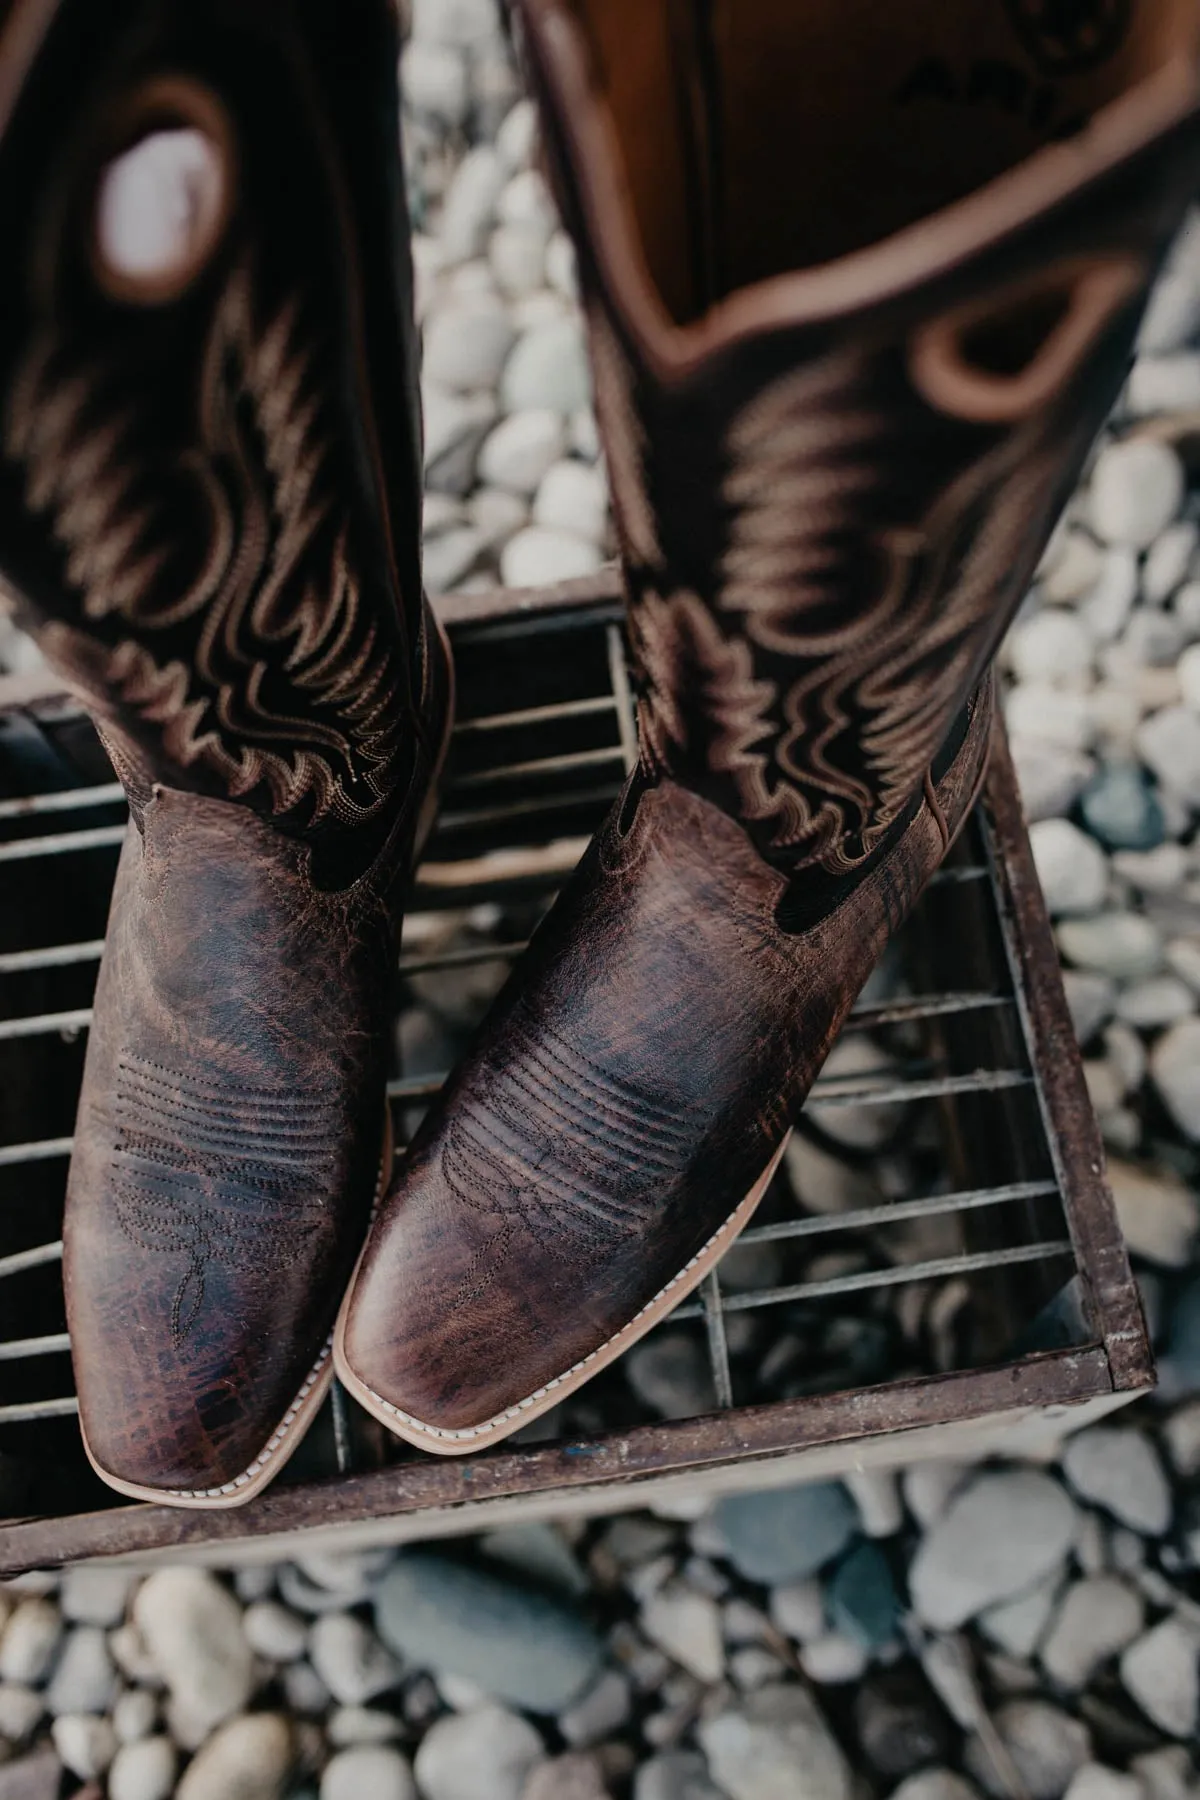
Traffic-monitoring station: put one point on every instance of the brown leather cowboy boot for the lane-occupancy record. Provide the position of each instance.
(862, 280)
(209, 514)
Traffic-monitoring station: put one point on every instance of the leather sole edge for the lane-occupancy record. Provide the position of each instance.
(286, 1437)
(466, 1440)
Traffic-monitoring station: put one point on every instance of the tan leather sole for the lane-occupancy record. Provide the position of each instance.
(445, 1442)
(287, 1434)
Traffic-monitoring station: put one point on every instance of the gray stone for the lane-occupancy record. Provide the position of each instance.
(34, 1777)
(547, 368)
(1158, 1213)
(1169, 743)
(785, 1534)
(1095, 1782)
(350, 1660)
(1179, 1362)
(483, 1755)
(248, 1758)
(21, 1708)
(144, 1770)
(517, 454)
(572, 1777)
(303, 1689)
(30, 1640)
(1161, 1671)
(898, 1723)
(1097, 1618)
(449, 558)
(798, 1609)
(1165, 1774)
(1017, 1625)
(1001, 1535)
(368, 1772)
(1137, 488)
(1121, 809)
(1050, 779)
(455, 426)
(1090, 998)
(687, 1626)
(1155, 1003)
(1119, 1469)
(935, 1784)
(603, 1710)
(1071, 867)
(670, 1373)
(94, 1595)
(275, 1631)
(1168, 560)
(84, 1679)
(541, 1553)
(518, 1644)
(775, 1746)
(1175, 1070)
(192, 1627)
(1047, 1746)
(1122, 945)
(85, 1744)
(862, 1599)
(675, 1775)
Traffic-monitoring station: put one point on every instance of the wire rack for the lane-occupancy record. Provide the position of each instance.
(1001, 1237)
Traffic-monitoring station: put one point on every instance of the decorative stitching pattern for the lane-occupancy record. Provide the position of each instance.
(561, 1148)
(200, 1175)
(852, 603)
(229, 558)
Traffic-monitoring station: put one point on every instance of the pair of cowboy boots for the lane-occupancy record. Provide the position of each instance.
(861, 283)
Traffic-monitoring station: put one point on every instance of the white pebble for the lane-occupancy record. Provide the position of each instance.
(834, 1659)
(877, 1496)
(143, 1771)
(1125, 946)
(517, 253)
(1157, 871)
(1050, 778)
(20, 1709)
(1049, 715)
(1183, 956)
(1107, 607)
(94, 1595)
(1153, 637)
(1175, 1067)
(1118, 1468)
(450, 556)
(1158, 1213)
(561, 266)
(1153, 1004)
(547, 368)
(1164, 384)
(573, 496)
(687, 1625)
(85, 1744)
(1075, 569)
(1114, 713)
(798, 1609)
(1188, 671)
(1169, 743)
(1162, 1673)
(1052, 648)
(1187, 609)
(135, 1714)
(1168, 560)
(248, 1758)
(1097, 1618)
(470, 203)
(486, 1754)
(1071, 867)
(348, 1725)
(1096, 1782)
(30, 1640)
(516, 140)
(536, 557)
(467, 23)
(368, 1772)
(518, 452)
(84, 1679)
(496, 515)
(350, 1659)
(433, 81)
(1173, 315)
(192, 1627)
(525, 200)
(275, 1631)
(466, 343)
(1137, 489)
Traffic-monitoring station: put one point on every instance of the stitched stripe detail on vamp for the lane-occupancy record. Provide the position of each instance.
(235, 1174)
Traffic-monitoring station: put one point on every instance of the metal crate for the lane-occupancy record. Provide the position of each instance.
(1040, 1328)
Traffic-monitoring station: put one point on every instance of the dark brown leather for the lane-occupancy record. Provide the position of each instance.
(213, 531)
(831, 487)
(627, 1091)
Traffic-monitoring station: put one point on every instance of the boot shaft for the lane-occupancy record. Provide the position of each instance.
(856, 317)
(209, 488)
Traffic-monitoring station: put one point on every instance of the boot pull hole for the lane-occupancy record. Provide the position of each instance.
(998, 361)
(163, 201)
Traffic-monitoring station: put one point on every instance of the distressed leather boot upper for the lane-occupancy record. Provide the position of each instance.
(862, 282)
(209, 518)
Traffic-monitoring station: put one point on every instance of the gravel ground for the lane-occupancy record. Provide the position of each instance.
(951, 1633)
